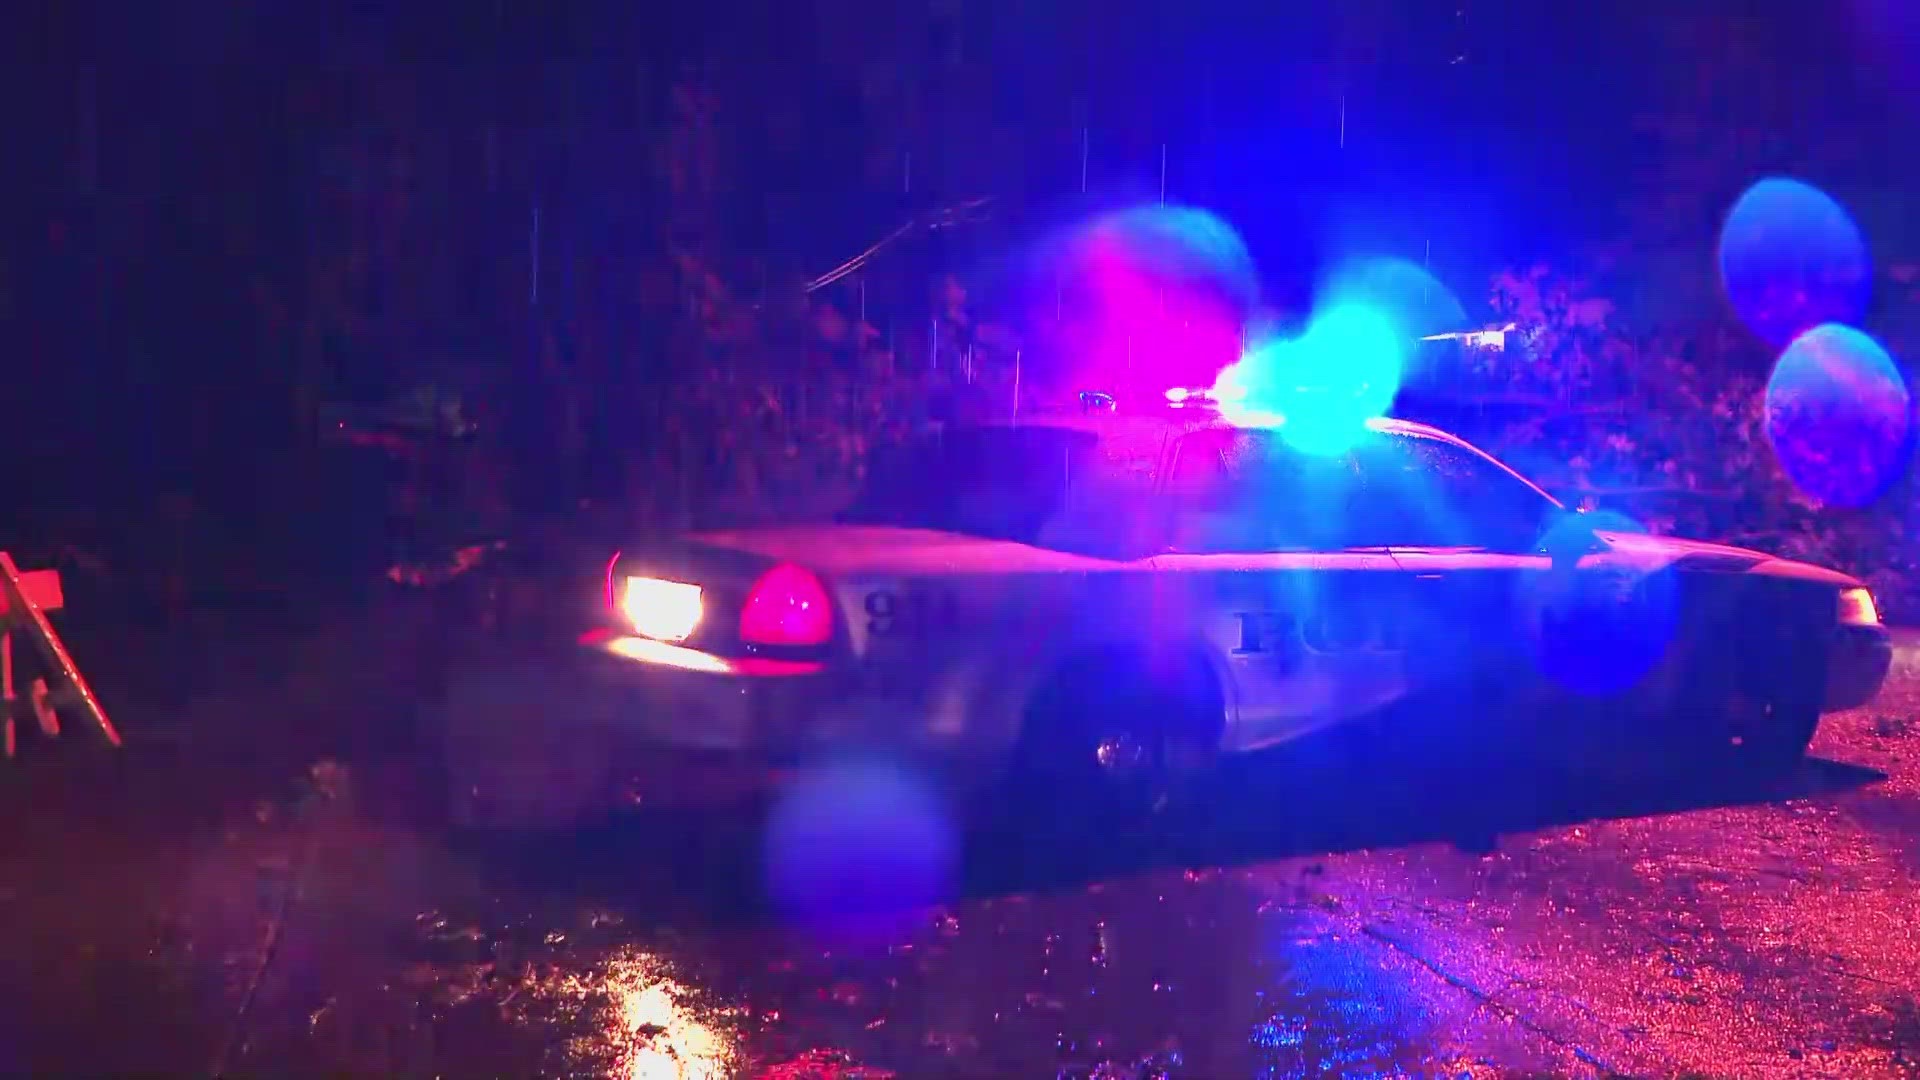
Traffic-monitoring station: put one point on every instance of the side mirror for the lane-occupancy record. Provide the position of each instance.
(1569, 536)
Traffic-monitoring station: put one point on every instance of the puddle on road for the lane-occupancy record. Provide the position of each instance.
(1177, 974)
(1166, 975)
(634, 1019)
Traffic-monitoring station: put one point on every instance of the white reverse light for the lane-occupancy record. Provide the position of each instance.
(660, 609)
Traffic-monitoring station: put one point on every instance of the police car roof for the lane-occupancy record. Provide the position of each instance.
(1181, 420)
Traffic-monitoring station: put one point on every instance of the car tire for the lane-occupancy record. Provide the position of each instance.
(1093, 756)
(1743, 739)
(1770, 741)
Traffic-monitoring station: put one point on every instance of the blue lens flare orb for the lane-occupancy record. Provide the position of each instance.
(1839, 416)
(1150, 297)
(1183, 244)
(1791, 258)
(853, 846)
(1601, 630)
(1403, 293)
(1320, 388)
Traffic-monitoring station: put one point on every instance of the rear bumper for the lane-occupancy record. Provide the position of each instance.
(618, 723)
(668, 698)
(1858, 660)
(695, 730)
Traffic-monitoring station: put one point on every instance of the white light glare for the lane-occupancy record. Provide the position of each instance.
(662, 610)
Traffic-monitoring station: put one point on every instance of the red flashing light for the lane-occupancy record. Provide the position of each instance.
(788, 606)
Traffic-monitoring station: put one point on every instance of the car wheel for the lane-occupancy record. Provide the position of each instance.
(1093, 756)
(1768, 738)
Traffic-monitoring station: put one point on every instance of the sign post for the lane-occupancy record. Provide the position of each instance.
(25, 599)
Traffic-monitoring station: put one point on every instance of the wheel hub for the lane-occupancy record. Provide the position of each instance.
(1120, 754)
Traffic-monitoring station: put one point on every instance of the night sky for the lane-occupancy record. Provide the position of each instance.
(1474, 134)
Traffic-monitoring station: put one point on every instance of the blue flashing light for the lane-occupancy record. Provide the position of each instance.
(1327, 384)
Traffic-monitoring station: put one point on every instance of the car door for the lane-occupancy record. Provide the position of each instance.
(1469, 535)
(1261, 563)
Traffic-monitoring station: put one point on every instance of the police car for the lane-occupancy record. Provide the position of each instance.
(1094, 604)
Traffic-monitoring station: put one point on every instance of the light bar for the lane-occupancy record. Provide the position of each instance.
(1184, 395)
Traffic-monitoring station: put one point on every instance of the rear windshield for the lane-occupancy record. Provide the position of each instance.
(998, 482)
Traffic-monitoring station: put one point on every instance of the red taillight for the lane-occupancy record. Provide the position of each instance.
(613, 595)
(787, 606)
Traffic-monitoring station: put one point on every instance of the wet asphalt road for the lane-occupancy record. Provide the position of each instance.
(193, 921)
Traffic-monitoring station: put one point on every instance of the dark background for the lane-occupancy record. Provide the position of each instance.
(203, 238)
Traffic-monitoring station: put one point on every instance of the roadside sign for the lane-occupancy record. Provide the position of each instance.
(25, 599)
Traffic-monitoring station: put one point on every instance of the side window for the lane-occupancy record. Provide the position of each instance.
(1247, 491)
(998, 482)
(1108, 501)
(1005, 482)
(1199, 474)
(1439, 494)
